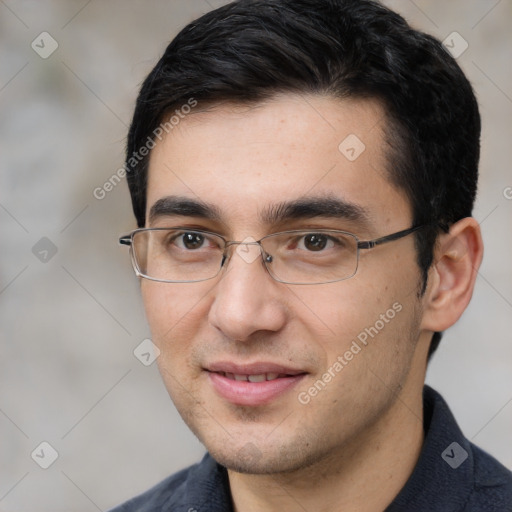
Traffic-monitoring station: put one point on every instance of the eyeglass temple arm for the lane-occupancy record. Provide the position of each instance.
(126, 240)
(388, 238)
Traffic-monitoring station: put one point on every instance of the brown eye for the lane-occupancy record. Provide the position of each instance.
(190, 241)
(315, 242)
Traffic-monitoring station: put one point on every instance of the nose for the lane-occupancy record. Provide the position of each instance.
(246, 299)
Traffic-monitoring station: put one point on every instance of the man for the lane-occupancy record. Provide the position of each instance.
(303, 174)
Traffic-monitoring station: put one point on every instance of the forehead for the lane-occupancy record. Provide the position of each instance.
(245, 159)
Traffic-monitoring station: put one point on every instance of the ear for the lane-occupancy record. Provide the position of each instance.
(452, 277)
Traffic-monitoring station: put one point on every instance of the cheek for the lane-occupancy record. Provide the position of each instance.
(368, 354)
(343, 310)
(371, 321)
(174, 313)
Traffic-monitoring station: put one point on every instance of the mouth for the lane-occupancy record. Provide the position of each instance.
(252, 385)
(262, 377)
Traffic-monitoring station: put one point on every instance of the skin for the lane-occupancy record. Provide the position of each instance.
(353, 446)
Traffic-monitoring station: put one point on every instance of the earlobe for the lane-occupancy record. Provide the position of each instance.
(457, 258)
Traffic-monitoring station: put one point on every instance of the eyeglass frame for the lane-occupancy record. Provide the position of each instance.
(360, 244)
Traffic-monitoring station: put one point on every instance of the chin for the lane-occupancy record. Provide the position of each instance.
(249, 460)
(253, 458)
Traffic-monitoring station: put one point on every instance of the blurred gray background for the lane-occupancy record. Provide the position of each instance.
(70, 311)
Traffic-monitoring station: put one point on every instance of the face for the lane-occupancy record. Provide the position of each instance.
(329, 360)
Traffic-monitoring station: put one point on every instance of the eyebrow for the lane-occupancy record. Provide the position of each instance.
(311, 207)
(183, 207)
(279, 213)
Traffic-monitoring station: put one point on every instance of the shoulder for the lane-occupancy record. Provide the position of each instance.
(185, 491)
(158, 496)
(452, 474)
(480, 481)
(492, 485)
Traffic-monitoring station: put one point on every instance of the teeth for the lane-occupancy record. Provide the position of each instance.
(254, 378)
(257, 378)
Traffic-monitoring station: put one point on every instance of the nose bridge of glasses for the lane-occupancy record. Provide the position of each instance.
(247, 242)
(235, 242)
(247, 255)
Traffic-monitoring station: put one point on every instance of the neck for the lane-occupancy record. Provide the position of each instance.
(364, 475)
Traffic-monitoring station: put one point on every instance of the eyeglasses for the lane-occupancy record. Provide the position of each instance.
(183, 255)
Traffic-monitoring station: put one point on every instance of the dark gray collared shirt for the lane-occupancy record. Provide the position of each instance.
(452, 475)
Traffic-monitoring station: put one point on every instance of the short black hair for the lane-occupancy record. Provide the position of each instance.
(250, 50)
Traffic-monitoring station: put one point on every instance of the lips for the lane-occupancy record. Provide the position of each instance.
(253, 384)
